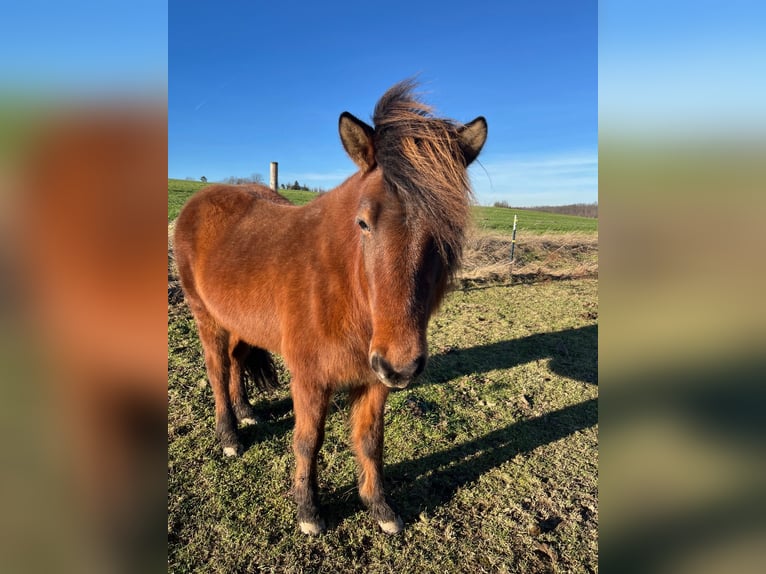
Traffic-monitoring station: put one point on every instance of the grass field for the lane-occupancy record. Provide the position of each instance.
(179, 190)
(501, 219)
(487, 218)
(491, 457)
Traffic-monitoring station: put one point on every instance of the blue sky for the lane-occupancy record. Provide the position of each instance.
(255, 82)
(682, 69)
(250, 82)
(84, 48)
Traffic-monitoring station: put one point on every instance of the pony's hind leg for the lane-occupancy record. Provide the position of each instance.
(215, 342)
(367, 404)
(239, 352)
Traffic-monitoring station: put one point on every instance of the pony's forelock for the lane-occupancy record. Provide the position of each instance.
(421, 161)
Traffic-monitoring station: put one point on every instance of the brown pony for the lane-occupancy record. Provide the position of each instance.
(342, 287)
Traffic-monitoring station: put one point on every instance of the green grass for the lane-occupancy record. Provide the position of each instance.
(179, 190)
(501, 219)
(298, 197)
(490, 218)
(491, 457)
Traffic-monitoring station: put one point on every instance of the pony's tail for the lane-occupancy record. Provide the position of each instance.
(259, 367)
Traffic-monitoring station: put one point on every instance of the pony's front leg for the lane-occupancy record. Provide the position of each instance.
(310, 406)
(367, 404)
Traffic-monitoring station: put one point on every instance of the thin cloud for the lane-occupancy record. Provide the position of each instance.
(522, 180)
(525, 180)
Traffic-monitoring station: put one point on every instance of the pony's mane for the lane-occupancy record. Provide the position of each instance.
(422, 162)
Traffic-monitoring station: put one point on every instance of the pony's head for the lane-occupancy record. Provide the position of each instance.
(413, 211)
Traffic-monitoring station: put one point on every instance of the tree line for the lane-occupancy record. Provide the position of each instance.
(580, 209)
(295, 185)
(258, 178)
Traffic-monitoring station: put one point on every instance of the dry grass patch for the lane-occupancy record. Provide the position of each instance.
(537, 257)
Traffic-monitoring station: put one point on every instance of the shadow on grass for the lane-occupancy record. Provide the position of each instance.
(275, 419)
(432, 480)
(718, 402)
(468, 284)
(573, 354)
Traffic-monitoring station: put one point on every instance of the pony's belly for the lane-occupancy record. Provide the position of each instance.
(262, 331)
(257, 325)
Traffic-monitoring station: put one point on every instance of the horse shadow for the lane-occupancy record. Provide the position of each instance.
(275, 418)
(573, 354)
(432, 481)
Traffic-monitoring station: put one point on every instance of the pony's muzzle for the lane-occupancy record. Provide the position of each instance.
(396, 378)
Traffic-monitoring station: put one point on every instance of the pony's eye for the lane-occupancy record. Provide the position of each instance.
(362, 224)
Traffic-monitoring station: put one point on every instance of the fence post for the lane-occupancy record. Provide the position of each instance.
(513, 244)
(273, 176)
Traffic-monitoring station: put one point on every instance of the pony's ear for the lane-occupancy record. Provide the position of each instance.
(472, 137)
(357, 139)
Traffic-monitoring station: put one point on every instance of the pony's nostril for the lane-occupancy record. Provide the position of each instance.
(375, 362)
(380, 365)
(414, 368)
(389, 374)
(420, 364)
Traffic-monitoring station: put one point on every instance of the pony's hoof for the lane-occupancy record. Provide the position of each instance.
(392, 526)
(232, 450)
(312, 528)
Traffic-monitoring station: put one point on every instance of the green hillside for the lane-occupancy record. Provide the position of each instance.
(501, 219)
